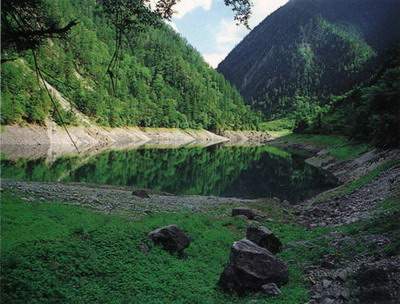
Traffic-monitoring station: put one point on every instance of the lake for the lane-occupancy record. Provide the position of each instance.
(244, 172)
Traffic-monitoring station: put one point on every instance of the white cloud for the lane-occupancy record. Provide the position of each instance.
(262, 8)
(213, 59)
(173, 25)
(228, 34)
(186, 6)
(226, 37)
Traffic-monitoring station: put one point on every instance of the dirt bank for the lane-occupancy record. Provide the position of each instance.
(246, 137)
(52, 141)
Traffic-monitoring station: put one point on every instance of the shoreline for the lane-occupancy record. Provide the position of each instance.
(52, 141)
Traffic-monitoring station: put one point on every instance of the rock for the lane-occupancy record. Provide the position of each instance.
(140, 193)
(171, 238)
(250, 267)
(264, 237)
(342, 275)
(247, 212)
(326, 283)
(328, 262)
(327, 301)
(271, 289)
(379, 282)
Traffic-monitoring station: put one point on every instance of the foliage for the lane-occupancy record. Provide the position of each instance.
(312, 49)
(340, 147)
(369, 113)
(227, 171)
(26, 24)
(306, 112)
(91, 257)
(21, 97)
(277, 125)
(160, 81)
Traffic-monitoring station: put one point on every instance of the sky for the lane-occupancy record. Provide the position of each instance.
(208, 25)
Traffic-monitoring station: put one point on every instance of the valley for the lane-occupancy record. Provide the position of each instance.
(133, 172)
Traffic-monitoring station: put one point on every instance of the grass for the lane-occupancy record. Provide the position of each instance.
(358, 183)
(278, 127)
(53, 252)
(339, 147)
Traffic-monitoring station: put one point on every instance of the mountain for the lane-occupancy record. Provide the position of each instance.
(311, 48)
(161, 80)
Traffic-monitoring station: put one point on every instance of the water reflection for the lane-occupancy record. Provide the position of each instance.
(247, 172)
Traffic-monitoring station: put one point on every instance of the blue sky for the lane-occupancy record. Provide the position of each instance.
(208, 25)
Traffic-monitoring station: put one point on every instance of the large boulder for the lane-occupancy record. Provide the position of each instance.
(264, 237)
(171, 238)
(247, 212)
(250, 267)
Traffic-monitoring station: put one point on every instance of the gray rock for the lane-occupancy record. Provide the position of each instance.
(342, 275)
(247, 212)
(250, 267)
(264, 237)
(140, 193)
(327, 301)
(326, 283)
(171, 238)
(379, 282)
(271, 289)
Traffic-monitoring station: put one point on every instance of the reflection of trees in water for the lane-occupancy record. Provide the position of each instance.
(287, 178)
(237, 171)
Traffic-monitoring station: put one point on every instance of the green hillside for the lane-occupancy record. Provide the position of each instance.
(161, 80)
(311, 49)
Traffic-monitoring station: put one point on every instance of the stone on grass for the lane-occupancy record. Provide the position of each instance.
(140, 193)
(171, 238)
(264, 237)
(271, 289)
(247, 212)
(250, 267)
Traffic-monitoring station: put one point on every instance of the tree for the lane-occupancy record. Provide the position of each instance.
(27, 23)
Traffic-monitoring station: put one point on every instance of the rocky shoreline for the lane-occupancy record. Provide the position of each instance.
(52, 141)
(333, 279)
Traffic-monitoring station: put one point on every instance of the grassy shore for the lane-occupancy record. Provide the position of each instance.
(56, 252)
(53, 251)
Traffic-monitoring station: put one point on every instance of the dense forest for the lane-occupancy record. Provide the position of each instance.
(368, 113)
(309, 50)
(160, 80)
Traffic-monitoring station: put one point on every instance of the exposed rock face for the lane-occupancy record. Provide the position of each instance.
(247, 212)
(264, 237)
(271, 289)
(171, 238)
(250, 267)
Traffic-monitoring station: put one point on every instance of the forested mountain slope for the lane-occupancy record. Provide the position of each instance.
(368, 113)
(312, 48)
(161, 80)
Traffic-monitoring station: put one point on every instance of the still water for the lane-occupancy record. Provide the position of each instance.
(245, 172)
